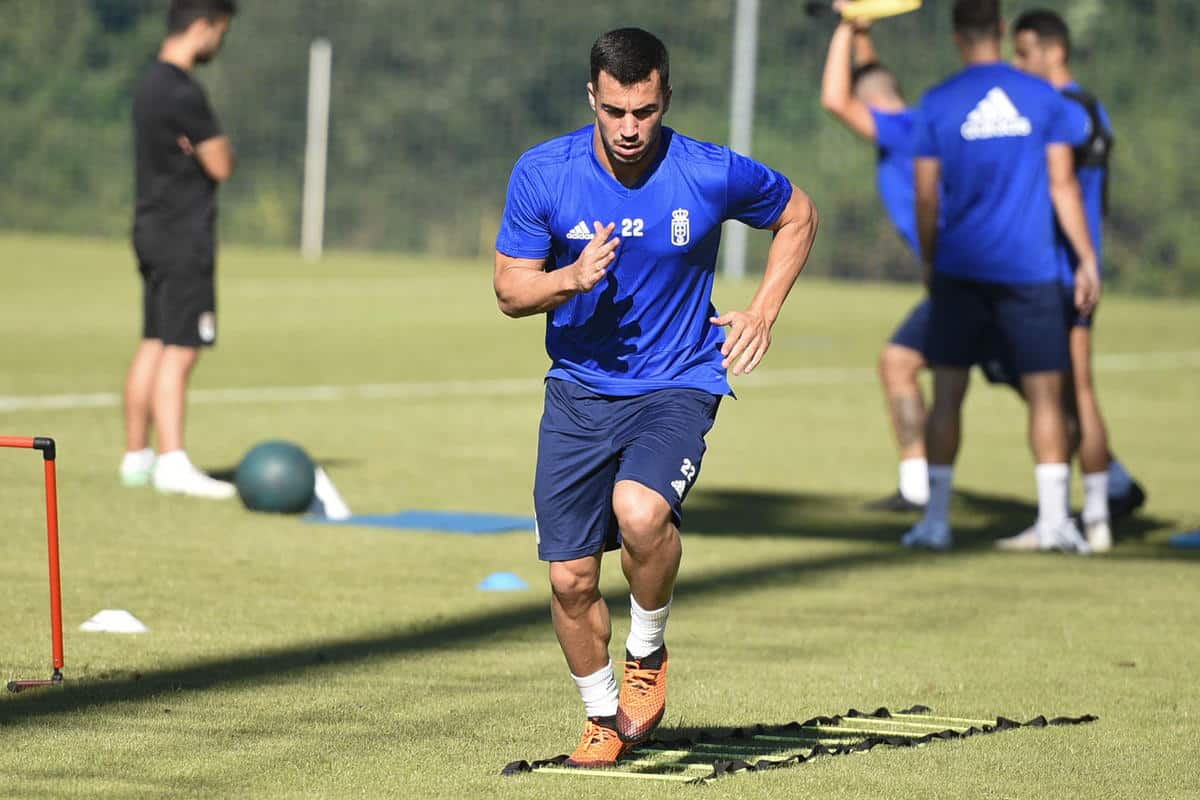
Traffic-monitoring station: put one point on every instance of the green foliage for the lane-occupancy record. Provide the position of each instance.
(433, 102)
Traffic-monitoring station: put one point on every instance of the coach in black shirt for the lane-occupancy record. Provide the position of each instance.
(181, 156)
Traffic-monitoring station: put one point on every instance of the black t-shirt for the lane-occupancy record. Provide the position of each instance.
(175, 196)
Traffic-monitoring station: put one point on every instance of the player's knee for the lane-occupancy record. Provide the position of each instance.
(898, 366)
(644, 519)
(574, 583)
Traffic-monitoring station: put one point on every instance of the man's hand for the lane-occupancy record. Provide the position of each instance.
(592, 265)
(1087, 287)
(747, 342)
(185, 144)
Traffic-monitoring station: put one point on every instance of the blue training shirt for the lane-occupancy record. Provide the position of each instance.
(894, 137)
(989, 125)
(1091, 181)
(645, 326)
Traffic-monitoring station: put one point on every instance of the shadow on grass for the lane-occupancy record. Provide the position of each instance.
(720, 511)
(295, 663)
(979, 518)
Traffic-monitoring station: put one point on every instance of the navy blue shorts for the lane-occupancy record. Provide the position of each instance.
(998, 367)
(587, 442)
(914, 328)
(972, 322)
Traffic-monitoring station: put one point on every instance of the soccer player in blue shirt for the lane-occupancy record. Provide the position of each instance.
(612, 233)
(993, 158)
(868, 100)
(1042, 43)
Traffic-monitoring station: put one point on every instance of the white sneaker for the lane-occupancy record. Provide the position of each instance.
(1099, 535)
(1065, 538)
(1027, 541)
(928, 535)
(137, 468)
(174, 474)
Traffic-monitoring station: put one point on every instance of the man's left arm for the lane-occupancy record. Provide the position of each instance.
(750, 330)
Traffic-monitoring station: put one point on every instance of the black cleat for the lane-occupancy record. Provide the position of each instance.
(894, 502)
(1127, 503)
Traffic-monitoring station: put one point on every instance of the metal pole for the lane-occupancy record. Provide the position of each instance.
(312, 221)
(741, 123)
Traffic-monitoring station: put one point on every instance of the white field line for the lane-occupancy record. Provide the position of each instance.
(505, 387)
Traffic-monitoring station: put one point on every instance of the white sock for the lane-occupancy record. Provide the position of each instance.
(137, 460)
(646, 629)
(1095, 497)
(1052, 484)
(174, 461)
(599, 691)
(914, 480)
(941, 481)
(1119, 481)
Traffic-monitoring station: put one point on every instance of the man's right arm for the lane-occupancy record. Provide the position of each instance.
(524, 288)
(837, 93)
(928, 174)
(201, 135)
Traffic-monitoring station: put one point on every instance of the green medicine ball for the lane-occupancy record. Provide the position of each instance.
(276, 476)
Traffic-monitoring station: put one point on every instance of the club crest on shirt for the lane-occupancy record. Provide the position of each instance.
(681, 227)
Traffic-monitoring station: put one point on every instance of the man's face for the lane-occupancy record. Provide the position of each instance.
(629, 118)
(1031, 56)
(210, 36)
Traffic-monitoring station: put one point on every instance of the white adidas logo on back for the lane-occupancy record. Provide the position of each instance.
(580, 231)
(995, 118)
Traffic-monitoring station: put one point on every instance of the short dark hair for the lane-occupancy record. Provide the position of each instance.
(873, 69)
(630, 55)
(183, 13)
(1047, 26)
(977, 19)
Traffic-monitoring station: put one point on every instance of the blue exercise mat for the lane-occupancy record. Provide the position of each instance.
(1191, 539)
(465, 522)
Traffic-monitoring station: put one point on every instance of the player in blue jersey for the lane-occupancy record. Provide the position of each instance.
(994, 168)
(612, 232)
(868, 100)
(1042, 43)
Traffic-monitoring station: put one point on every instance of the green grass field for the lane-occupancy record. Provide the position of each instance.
(292, 660)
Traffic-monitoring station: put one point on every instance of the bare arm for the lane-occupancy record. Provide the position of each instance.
(1068, 207)
(217, 158)
(837, 95)
(864, 48)
(750, 330)
(524, 288)
(928, 172)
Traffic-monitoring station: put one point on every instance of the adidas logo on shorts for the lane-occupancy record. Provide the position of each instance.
(581, 231)
(995, 118)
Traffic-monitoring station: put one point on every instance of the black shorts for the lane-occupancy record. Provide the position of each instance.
(179, 304)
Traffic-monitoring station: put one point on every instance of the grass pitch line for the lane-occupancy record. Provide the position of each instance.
(531, 385)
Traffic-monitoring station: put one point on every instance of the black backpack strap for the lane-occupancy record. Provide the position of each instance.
(1097, 149)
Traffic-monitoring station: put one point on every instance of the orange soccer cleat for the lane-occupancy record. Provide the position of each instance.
(643, 695)
(599, 747)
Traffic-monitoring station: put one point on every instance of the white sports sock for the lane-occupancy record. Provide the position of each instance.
(599, 691)
(1095, 497)
(914, 480)
(1053, 481)
(646, 629)
(174, 461)
(1119, 481)
(941, 481)
(137, 460)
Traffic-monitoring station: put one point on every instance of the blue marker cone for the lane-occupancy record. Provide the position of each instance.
(503, 582)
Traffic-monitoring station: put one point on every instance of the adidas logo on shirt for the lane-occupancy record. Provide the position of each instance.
(995, 118)
(581, 231)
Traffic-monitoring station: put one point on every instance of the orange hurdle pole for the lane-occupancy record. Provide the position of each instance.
(46, 446)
